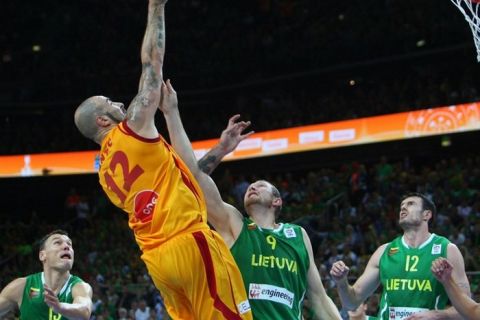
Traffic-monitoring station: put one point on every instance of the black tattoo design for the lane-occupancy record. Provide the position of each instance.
(208, 163)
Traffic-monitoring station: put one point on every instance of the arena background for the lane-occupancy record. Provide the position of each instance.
(279, 63)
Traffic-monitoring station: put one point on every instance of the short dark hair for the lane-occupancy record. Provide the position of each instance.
(427, 204)
(41, 243)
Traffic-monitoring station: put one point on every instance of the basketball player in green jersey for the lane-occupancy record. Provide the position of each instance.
(275, 259)
(410, 291)
(53, 294)
(442, 270)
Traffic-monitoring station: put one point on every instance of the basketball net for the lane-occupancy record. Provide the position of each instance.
(470, 9)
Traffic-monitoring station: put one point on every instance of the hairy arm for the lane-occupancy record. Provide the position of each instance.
(11, 295)
(80, 308)
(366, 284)
(226, 219)
(140, 115)
(322, 305)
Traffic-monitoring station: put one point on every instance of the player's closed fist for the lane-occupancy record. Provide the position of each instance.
(339, 271)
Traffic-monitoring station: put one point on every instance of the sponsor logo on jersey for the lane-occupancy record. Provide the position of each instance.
(274, 262)
(243, 307)
(144, 203)
(252, 226)
(400, 313)
(257, 291)
(408, 285)
(392, 251)
(289, 233)
(33, 292)
(437, 249)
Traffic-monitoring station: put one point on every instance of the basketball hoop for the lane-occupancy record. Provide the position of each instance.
(470, 9)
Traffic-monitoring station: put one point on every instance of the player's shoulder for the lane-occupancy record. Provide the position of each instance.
(14, 290)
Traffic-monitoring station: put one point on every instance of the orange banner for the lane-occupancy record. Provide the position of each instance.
(421, 123)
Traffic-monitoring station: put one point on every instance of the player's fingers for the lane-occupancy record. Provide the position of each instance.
(447, 264)
(164, 88)
(48, 290)
(244, 124)
(232, 119)
(246, 135)
(169, 86)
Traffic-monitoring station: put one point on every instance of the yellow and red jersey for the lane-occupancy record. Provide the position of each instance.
(149, 181)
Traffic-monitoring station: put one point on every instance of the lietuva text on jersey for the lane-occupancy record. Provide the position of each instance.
(408, 285)
(261, 261)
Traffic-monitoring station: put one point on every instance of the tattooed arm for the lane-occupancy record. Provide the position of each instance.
(226, 219)
(140, 115)
(229, 140)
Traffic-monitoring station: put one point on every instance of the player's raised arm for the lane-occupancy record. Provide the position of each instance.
(229, 140)
(140, 115)
(226, 219)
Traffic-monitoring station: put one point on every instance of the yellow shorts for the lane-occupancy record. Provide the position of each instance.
(198, 278)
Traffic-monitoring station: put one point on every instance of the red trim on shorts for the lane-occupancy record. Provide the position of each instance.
(212, 283)
(127, 130)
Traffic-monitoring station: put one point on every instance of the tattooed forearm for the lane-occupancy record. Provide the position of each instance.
(161, 32)
(153, 48)
(149, 77)
(208, 163)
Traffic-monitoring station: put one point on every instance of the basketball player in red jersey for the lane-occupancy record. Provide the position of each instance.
(141, 174)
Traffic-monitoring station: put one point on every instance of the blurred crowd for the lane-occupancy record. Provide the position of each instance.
(280, 63)
(348, 210)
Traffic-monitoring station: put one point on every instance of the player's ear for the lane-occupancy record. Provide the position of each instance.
(427, 215)
(103, 121)
(42, 255)
(277, 202)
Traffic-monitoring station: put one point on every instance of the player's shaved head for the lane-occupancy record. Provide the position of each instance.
(85, 116)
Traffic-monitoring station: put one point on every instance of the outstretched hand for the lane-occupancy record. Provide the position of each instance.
(232, 135)
(51, 299)
(442, 269)
(169, 100)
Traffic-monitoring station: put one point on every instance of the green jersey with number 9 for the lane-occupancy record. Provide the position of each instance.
(274, 265)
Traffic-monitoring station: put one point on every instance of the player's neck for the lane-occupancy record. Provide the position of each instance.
(415, 238)
(55, 279)
(263, 217)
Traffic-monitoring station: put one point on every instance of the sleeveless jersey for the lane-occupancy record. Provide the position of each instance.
(33, 306)
(274, 265)
(408, 284)
(149, 181)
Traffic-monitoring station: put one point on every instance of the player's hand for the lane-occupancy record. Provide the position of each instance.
(232, 135)
(339, 271)
(169, 101)
(51, 299)
(442, 269)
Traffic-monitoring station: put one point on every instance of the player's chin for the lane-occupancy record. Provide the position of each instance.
(66, 265)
